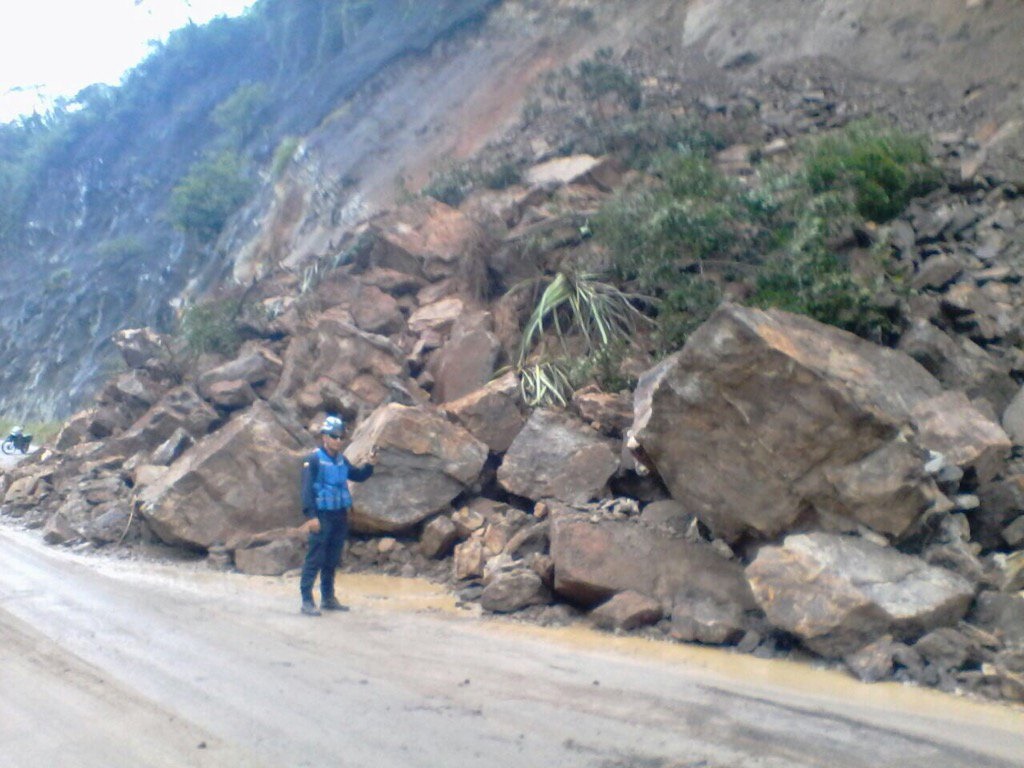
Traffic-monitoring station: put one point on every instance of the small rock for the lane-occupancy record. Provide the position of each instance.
(1013, 534)
(627, 610)
(873, 662)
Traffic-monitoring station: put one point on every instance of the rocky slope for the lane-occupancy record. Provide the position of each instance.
(97, 249)
(98, 252)
(776, 484)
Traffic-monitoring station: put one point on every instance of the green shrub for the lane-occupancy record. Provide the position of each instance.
(599, 77)
(882, 168)
(31, 149)
(684, 305)
(604, 367)
(120, 249)
(532, 110)
(212, 190)
(503, 176)
(584, 17)
(661, 238)
(692, 231)
(658, 234)
(58, 280)
(212, 326)
(14, 192)
(238, 116)
(806, 277)
(283, 155)
(816, 284)
(450, 185)
(640, 139)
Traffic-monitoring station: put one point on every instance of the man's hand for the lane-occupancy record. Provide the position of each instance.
(312, 525)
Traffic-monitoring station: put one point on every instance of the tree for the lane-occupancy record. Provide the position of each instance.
(212, 190)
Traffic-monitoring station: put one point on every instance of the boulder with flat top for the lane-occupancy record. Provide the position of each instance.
(243, 478)
(424, 462)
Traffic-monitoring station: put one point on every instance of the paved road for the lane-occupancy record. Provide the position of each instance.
(107, 663)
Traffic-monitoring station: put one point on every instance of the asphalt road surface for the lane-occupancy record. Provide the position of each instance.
(108, 663)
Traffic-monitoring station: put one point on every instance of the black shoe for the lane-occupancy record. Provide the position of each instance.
(332, 604)
(309, 608)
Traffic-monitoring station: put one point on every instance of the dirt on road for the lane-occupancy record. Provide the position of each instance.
(117, 663)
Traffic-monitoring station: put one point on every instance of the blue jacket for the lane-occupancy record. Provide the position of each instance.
(325, 483)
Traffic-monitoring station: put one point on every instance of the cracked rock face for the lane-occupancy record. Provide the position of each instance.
(765, 417)
(837, 593)
(766, 421)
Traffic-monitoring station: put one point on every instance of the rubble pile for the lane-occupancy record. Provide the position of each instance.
(775, 484)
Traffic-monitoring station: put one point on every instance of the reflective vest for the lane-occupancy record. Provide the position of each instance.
(331, 483)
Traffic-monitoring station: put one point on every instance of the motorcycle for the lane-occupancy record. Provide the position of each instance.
(16, 442)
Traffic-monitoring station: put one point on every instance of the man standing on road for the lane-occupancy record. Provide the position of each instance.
(326, 501)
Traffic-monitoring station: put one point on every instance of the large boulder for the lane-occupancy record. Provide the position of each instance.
(557, 457)
(601, 172)
(1000, 503)
(596, 560)
(424, 462)
(437, 317)
(466, 361)
(145, 349)
(1013, 418)
(950, 425)
(75, 430)
(627, 610)
(271, 559)
(180, 409)
(960, 364)
(608, 413)
(491, 413)
(429, 239)
(256, 368)
(368, 300)
(230, 395)
(133, 390)
(25, 491)
(243, 478)
(377, 312)
(838, 593)
(97, 423)
(111, 523)
(765, 418)
(1002, 615)
(439, 536)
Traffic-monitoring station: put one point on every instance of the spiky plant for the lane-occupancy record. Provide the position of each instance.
(545, 383)
(573, 306)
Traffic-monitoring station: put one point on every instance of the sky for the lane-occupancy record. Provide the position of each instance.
(54, 48)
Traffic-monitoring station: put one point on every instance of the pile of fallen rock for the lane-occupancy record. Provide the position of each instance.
(777, 483)
(823, 492)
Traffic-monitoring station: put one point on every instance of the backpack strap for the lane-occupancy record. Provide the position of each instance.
(310, 471)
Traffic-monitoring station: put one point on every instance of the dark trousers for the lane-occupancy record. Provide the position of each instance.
(324, 554)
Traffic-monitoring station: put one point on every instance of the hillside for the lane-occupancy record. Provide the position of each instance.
(91, 238)
(692, 320)
(94, 248)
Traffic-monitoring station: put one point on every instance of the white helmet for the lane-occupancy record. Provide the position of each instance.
(333, 426)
